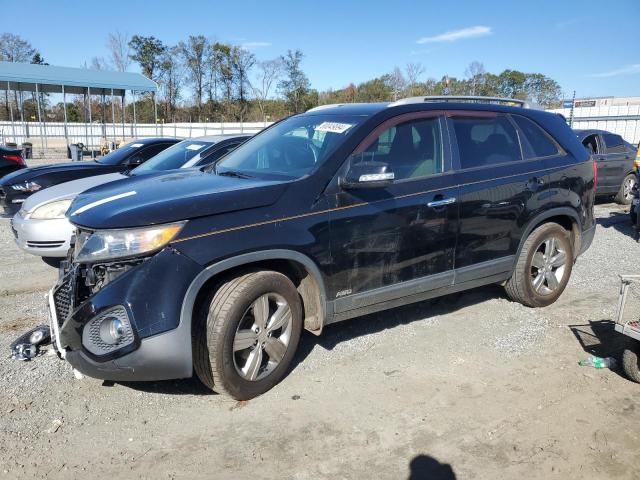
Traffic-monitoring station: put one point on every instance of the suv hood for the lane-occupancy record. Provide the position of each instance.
(169, 197)
(66, 190)
(31, 173)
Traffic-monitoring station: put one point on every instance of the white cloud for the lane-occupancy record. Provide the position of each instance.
(454, 35)
(252, 45)
(626, 70)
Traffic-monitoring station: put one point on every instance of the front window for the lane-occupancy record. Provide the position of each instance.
(174, 157)
(292, 148)
(116, 157)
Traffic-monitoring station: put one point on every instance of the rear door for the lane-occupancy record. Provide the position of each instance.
(500, 186)
(385, 239)
(619, 159)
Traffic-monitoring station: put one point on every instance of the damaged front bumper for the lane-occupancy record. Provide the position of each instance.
(149, 294)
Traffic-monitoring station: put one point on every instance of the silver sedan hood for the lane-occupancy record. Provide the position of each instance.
(67, 190)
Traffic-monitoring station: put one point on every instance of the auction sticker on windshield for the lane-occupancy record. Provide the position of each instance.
(194, 147)
(333, 127)
(136, 145)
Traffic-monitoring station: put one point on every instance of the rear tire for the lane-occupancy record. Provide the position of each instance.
(631, 364)
(625, 194)
(245, 340)
(543, 267)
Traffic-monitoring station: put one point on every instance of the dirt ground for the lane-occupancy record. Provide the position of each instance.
(470, 386)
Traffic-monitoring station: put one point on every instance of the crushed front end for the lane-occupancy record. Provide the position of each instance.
(121, 319)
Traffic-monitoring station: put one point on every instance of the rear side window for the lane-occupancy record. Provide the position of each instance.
(614, 143)
(541, 144)
(486, 141)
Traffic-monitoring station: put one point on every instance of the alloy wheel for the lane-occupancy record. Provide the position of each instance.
(548, 266)
(262, 337)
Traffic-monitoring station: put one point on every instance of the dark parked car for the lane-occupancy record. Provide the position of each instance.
(10, 160)
(16, 187)
(328, 215)
(615, 159)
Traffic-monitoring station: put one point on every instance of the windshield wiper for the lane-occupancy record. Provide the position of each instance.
(232, 173)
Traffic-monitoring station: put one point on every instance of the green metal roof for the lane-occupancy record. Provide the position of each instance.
(25, 76)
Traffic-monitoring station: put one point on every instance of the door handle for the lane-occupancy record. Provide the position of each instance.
(442, 202)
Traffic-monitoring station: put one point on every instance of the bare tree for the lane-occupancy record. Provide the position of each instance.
(397, 83)
(98, 64)
(118, 45)
(14, 48)
(269, 72)
(171, 77)
(476, 73)
(413, 72)
(194, 53)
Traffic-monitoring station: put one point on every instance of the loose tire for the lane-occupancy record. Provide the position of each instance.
(631, 364)
(543, 267)
(245, 340)
(625, 194)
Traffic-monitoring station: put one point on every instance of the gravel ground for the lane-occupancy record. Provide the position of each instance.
(466, 386)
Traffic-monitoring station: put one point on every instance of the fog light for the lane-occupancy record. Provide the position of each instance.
(111, 330)
(108, 332)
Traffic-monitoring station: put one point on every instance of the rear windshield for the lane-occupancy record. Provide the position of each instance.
(116, 157)
(291, 148)
(174, 157)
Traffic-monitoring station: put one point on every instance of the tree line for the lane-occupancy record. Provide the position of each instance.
(203, 80)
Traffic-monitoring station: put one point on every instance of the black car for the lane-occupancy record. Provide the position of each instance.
(16, 187)
(10, 160)
(615, 158)
(325, 216)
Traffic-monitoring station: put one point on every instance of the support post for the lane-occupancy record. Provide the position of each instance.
(113, 118)
(124, 109)
(155, 112)
(135, 124)
(13, 127)
(40, 119)
(64, 108)
(90, 121)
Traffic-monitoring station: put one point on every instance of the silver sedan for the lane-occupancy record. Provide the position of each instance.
(41, 227)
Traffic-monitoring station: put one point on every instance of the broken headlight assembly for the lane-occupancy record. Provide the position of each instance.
(107, 245)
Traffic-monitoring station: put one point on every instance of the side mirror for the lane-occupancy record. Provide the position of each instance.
(133, 161)
(368, 175)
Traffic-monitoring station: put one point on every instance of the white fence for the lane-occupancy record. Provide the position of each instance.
(623, 119)
(95, 134)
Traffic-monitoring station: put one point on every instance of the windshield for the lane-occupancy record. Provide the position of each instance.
(291, 148)
(117, 156)
(175, 156)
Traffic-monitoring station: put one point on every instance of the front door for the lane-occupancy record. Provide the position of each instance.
(383, 239)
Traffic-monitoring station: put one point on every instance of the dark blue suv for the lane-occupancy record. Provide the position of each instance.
(335, 213)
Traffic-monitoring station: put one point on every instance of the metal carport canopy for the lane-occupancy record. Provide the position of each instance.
(50, 79)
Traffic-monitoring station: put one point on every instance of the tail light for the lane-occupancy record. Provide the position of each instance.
(595, 174)
(14, 158)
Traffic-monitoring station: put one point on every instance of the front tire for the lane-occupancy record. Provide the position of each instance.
(245, 341)
(543, 268)
(625, 194)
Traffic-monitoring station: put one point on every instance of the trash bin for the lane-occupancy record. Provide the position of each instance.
(76, 152)
(27, 150)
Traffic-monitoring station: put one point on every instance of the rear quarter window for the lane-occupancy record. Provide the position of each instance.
(540, 142)
(486, 141)
(614, 143)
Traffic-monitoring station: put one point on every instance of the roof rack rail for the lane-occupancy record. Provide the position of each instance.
(462, 99)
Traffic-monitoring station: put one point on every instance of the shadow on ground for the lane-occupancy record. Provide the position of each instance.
(335, 334)
(425, 467)
(600, 339)
(620, 221)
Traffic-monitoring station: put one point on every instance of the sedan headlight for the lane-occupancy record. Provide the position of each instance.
(28, 187)
(51, 210)
(103, 245)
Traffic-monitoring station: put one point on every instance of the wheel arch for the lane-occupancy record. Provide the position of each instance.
(299, 268)
(565, 217)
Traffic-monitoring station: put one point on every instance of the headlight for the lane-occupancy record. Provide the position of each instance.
(51, 210)
(27, 187)
(112, 244)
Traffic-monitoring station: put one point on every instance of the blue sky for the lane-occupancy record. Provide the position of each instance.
(590, 46)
